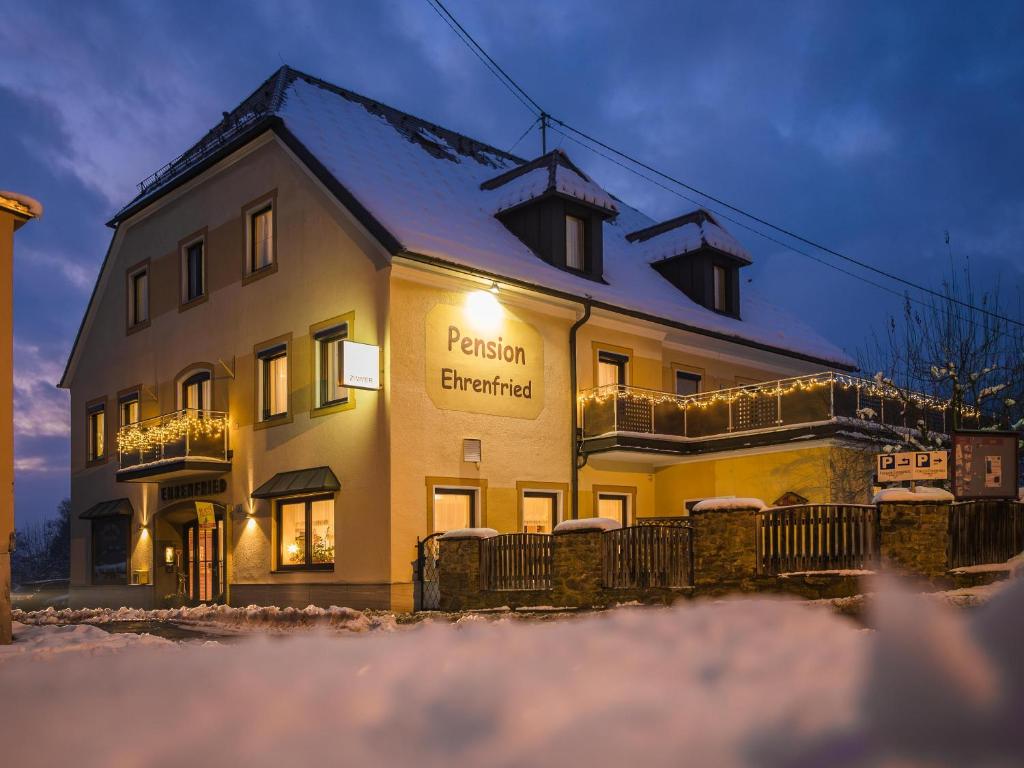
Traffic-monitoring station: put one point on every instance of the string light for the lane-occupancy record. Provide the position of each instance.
(193, 424)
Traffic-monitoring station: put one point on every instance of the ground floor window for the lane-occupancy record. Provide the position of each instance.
(614, 506)
(305, 533)
(110, 550)
(540, 511)
(454, 508)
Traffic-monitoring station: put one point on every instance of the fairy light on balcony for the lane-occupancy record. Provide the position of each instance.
(142, 436)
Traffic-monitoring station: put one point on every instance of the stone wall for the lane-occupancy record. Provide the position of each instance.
(915, 539)
(724, 550)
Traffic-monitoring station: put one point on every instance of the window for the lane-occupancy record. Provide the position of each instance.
(687, 383)
(575, 229)
(611, 368)
(261, 238)
(454, 508)
(138, 297)
(306, 533)
(328, 350)
(614, 506)
(721, 289)
(96, 436)
(110, 550)
(273, 382)
(195, 391)
(193, 271)
(540, 511)
(128, 405)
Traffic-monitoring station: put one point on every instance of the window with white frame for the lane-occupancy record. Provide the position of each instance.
(575, 241)
(540, 511)
(96, 431)
(194, 393)
(128, 406)
(614, 506)
(328, 365)
(454, 508)
(261, 238)
(193, 271)
(138, 297)
(721, 289)
(273, 382)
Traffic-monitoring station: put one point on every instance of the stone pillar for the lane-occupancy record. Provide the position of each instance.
(576, 568)
(459, 573)
(915, 538)
(724, 550)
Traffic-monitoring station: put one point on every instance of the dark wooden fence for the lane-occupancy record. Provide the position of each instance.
(983, 532)
(817, 537)
(516, 561)
(648, 555)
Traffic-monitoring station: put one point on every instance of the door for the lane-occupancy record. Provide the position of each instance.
(203, 562)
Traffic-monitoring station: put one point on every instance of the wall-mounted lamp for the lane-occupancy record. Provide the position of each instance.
(494, 287)
(169, 558)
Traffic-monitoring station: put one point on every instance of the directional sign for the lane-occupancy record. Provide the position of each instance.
(913, 465)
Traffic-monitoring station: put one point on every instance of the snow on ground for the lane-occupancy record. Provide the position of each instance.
(47, 642)
(729, 683)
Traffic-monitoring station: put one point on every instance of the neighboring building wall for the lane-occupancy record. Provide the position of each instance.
(6, 420)
(326, 268)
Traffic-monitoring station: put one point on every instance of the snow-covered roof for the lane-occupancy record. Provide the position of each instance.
(22, 203)
(551, 173)
(421, 185)
(684, 234)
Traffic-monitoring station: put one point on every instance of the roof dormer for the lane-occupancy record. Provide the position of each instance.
(698, 256)
(557, 211)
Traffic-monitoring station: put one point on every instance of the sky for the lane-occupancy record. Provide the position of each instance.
(873, 128)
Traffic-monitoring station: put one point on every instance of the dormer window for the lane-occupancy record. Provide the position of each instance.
(721, 288)
(575, 238)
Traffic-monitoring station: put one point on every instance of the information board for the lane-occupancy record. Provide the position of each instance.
(985, 465)
(912, 465)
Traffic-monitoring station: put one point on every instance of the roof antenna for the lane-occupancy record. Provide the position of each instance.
(543, 133)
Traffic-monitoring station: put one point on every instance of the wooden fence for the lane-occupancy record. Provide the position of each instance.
(817, 537)
(983, 532)
(516, 561)
(648, 555)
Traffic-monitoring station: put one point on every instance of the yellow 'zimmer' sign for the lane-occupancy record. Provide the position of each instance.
(484, 365)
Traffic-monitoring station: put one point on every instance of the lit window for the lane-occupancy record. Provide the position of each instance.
(306, 533)
(193, 272)
(614, 506)
(96, 425)
(611, 368)
(721, 279)
(261, 238)
(328, 349)
(540, 511)
(195, 391)
(138, 297)
(129, 408)
(454, 508)
(574, 243)
(274, 382)
(110, 550)
(687, 383)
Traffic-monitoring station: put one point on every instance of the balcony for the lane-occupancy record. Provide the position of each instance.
(183, 443)
(620, 418)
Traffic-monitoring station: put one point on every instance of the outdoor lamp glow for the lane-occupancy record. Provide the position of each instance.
(483, 310)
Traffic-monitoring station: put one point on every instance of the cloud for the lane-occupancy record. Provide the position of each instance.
(79, 276)
(40, 409)
(37, 464)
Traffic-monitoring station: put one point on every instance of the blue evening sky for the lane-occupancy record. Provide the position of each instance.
(871, 127)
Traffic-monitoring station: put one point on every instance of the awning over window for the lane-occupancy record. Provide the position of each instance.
(315, 480)
(110, 508)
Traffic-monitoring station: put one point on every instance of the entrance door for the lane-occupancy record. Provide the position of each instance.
(204, 562)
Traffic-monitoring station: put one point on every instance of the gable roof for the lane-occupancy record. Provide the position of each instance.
(427, 192)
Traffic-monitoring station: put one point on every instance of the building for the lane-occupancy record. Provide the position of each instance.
(330, 329)
(15, 210)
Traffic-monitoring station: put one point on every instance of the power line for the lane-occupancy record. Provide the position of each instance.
(546, 118)
(523, 136)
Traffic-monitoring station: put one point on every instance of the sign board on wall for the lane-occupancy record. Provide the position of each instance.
(360, 365)
(912, 465)
(495, 367)
(985, 465)
(205, 514)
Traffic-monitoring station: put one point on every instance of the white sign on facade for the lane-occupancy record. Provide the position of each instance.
(913, 465)
(360, 365)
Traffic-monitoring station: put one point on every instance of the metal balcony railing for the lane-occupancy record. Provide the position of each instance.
(186, 434)
(803, 400)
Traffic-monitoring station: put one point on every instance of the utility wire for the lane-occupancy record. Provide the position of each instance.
(524, 97)
(523, 136)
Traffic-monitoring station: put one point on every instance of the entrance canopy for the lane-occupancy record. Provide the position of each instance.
(299, 481)
(109, 508)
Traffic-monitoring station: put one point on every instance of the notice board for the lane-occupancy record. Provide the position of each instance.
(985, 465)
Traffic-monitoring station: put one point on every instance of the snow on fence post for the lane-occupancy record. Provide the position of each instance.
(725, 545)
(915, 533)
(459, 569)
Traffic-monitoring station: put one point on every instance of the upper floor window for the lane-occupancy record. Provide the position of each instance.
(575, 245)
(611, 368)
(261, 238)
(687, 383)
(193, 271)
(195, 391)
(273, 382)
(96, 431)
(328, 351)
(721, 288)
(128, 405)
(138, 297)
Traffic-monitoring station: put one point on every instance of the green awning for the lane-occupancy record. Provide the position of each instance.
(298, 482)
(110, 508)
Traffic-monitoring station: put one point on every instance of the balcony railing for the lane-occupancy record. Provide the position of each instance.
(773, 405)
(186, 435)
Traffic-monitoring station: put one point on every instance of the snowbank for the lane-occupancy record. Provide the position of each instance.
(47, 642)
(587, 524)
(921, 494)
(470, 533)
(728, 502)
